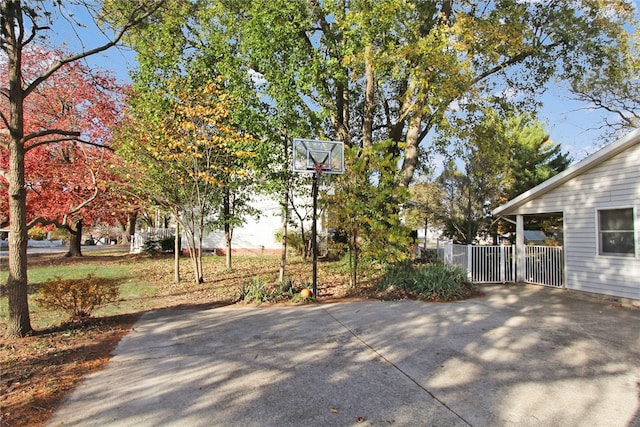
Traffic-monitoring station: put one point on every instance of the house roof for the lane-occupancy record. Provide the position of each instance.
(581, 167)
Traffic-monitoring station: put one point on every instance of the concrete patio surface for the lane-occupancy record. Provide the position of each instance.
(519, 356)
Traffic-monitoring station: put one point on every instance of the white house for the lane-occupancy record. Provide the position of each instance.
(256, 235)
(599, 199)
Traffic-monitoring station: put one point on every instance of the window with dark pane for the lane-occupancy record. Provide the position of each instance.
(616, 231)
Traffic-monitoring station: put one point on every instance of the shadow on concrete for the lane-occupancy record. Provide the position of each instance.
(521, 355)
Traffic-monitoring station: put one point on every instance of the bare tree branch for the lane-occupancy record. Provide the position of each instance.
(66, 139)
(132, 21)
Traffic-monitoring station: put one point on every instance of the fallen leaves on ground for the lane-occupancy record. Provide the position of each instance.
(37, 371)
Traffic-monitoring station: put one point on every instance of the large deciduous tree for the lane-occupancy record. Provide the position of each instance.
(22, 23)
(67, 181)
(371, 71)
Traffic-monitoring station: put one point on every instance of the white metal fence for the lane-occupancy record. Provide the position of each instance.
(497, 264)
(544, 265)
(483, 264)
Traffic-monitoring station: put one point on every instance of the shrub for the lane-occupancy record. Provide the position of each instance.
(436, 282)
(168, 244)
(157, 246)
(59, 234)
(295, 241)
(257, 291)
(37, 233)
(77, 297)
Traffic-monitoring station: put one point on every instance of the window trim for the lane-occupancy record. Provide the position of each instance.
(599, 251)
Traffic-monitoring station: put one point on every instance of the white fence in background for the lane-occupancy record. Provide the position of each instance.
(141, 237)
(483, 264)
(497, 264)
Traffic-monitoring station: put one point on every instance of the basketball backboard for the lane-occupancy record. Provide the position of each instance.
(311, 155)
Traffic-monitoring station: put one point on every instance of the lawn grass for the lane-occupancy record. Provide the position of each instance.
(114, 265)
(146, 282)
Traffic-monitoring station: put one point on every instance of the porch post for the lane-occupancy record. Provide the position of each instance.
(520, 249)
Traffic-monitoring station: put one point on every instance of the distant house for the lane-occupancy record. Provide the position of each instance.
(534, 237)
(256, 236)
(599, 200)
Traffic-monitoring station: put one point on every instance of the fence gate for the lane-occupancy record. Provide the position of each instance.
(141, 237)
(544, 265)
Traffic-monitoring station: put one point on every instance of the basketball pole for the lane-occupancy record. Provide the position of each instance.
(314, 240)
(317, 156)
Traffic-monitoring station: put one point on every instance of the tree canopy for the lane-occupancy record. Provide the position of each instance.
(68, 179)
(501, 157)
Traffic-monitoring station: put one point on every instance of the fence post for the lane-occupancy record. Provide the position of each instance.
(503, 261)
(513, 263)
(520, 250)
(470, 262)
(447, 253)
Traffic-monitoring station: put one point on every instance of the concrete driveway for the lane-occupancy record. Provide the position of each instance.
(520, 356)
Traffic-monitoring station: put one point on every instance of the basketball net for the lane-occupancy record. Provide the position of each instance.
(321, 167)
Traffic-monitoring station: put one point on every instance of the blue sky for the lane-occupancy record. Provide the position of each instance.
(572, 124)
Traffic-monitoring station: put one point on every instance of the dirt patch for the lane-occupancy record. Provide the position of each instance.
(38, 371)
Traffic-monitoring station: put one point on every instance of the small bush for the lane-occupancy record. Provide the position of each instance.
(157, 246)
(37, 233)
(59, 234)
(258, 292)
(77, 297)
(295, 241)
(435, 282)
(168, 244)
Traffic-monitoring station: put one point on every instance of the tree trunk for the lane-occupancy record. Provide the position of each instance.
(411, 153)
(353, 260)
(199, 271)
(469, 239)
(228, 230)
(176, 254)
(426, 229)
(75, 243)
(369, 101)
(130, 228)
(191, 245)
(18, 323)
(227, 237)
(285, 222)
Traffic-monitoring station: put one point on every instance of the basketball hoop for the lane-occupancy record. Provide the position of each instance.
(309, 153)
(318, 157)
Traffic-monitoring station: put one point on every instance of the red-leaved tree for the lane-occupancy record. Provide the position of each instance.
(69, 181)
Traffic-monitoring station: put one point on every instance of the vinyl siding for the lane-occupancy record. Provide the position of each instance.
(254, 233)
(615, 183)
